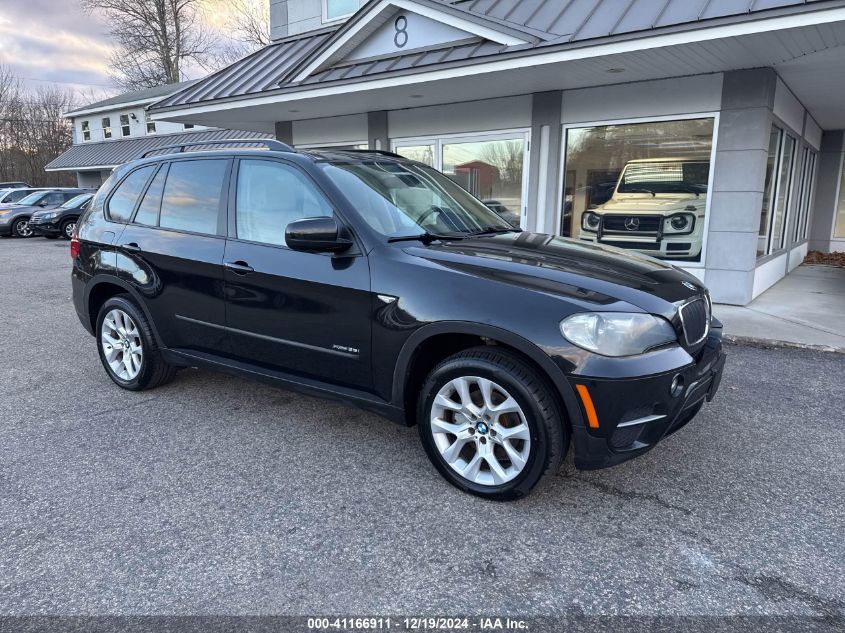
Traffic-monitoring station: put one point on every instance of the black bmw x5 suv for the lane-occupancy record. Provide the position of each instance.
(376, 280)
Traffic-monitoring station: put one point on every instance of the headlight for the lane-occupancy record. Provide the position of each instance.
(617, 333)
(48, 216)
(681, 223)
(590, 221)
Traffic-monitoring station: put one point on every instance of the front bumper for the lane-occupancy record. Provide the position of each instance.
(634, 414)
(45, 227)
(665, 247)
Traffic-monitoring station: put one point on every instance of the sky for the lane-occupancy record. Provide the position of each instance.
(54, 41)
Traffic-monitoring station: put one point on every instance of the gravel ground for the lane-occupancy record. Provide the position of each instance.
(215, 495)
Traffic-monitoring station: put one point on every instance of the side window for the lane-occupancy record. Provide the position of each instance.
(271, 195)
(68, 196)
(126, 195)
(52, 198)
(192, 195)
(17, 195)
(151, 203)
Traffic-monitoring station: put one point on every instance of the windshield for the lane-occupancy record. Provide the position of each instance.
(665, 177)
(406, 199)
(77, 201)
(32, 199)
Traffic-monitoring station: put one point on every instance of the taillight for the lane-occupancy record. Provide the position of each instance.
(74, 246)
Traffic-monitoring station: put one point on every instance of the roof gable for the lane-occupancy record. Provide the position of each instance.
(385, 28)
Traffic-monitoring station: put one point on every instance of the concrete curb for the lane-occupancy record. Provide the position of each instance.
(765, 342)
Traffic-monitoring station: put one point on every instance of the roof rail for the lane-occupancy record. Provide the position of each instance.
(383, 152)
(273, 145)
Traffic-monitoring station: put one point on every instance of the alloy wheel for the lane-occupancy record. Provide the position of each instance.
(69, 227)
(121, 344)
(23, 229)
(480, 430)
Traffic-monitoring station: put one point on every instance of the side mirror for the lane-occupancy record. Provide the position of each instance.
(317, 235)
(43, 203)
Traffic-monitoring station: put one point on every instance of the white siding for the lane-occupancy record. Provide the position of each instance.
(787, 108)
(664, 97)
(458, 118)
(137, 127)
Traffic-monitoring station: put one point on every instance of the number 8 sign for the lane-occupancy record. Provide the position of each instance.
(401, 36)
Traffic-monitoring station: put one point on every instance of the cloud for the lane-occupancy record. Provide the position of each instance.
(54, 41)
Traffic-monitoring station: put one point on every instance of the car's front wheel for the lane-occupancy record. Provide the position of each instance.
(489, 423)
(21, 228)
(67, 228)
(128, 349)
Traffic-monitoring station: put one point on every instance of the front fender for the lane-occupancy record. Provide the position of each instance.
(522, 345)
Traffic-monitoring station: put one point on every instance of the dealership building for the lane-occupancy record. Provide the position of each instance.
(705, 132)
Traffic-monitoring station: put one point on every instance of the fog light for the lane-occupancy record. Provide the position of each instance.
(677, 387)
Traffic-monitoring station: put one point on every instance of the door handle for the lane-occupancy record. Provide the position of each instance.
(131, 247)
(239, 267)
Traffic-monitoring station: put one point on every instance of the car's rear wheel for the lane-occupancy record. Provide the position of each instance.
(127, 347)
(21, 228)
(489, 423)
(67, 228)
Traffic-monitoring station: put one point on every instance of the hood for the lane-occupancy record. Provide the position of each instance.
(557, 265)
(652, 205)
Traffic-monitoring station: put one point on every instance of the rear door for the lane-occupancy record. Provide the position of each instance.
(302, 313)
(172, 251)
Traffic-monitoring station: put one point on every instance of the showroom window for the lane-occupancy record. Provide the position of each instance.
(491, 167)
(839, 229)
(806, 190)
(777, 192)
(336, 9)
(639, 186)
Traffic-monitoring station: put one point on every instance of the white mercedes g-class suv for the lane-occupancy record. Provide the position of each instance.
(657, 208)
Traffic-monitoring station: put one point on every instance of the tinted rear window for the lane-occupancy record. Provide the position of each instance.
(123, 200)
(192, 195)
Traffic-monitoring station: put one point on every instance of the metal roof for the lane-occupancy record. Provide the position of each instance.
(136, 96)
(117, 152)
(552, 22)
(576, 20)
(256, 73)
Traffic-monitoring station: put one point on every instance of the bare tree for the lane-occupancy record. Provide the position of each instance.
(154, 39)
(33, 131)
(246, 31)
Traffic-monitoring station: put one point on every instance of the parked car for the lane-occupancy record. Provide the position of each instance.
(657, 208)
(376, 280)
(14, 219)
(12, 196)
(61, 221)
(15, 184)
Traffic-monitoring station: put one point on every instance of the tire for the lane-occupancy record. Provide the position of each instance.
(21, 228)
(67, 228)
(146, 370)
(536, 450)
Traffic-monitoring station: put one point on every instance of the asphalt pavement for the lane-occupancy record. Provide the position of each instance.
(215, 495)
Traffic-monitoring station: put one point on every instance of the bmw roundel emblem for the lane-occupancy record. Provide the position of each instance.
(688, 285)
(482, 427)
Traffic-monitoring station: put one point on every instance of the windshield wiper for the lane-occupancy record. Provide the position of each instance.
(426, 238)
(494, 230)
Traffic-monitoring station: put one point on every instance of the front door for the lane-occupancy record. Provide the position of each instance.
(301, 313)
